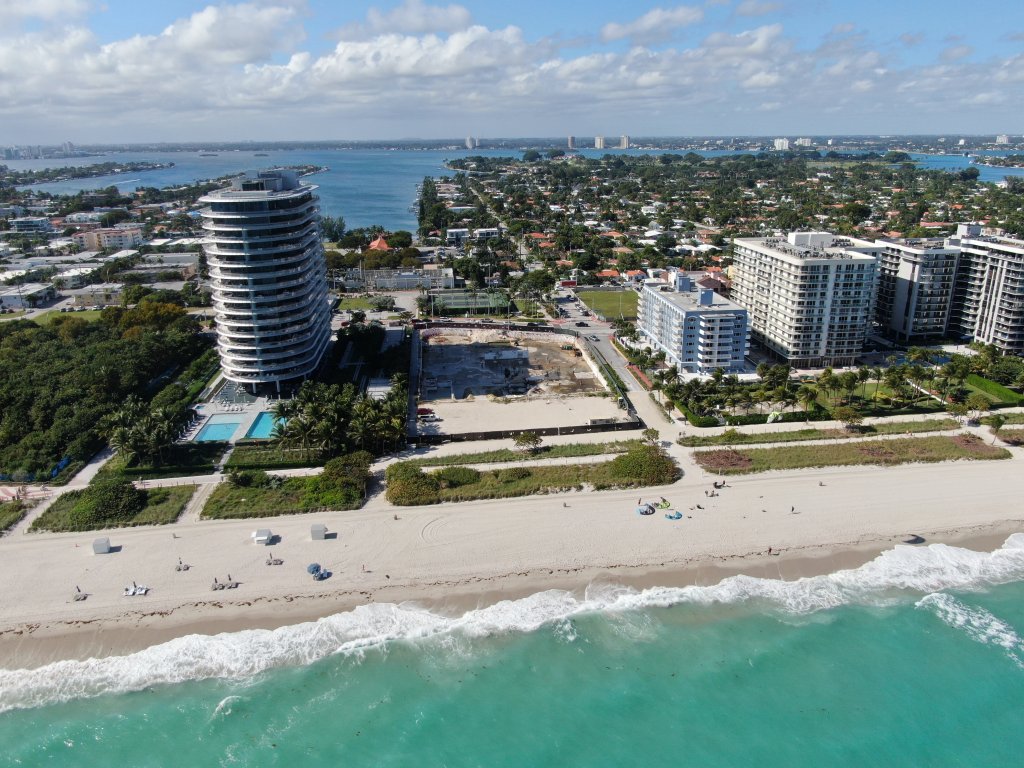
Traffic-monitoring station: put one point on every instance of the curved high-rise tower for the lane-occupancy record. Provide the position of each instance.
(269, 279)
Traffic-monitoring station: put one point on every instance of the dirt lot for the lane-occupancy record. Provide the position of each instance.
(487, 380)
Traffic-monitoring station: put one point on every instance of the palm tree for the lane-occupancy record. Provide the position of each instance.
(807, 395)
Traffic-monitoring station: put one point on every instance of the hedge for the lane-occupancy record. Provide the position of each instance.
(791, 417)
(990, 387)
(695, 420)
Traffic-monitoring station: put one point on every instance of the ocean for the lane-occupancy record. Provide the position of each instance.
(366, 187)
(913, 659)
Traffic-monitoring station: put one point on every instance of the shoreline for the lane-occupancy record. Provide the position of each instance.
(35, 645)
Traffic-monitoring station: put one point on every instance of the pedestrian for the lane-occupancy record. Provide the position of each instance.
(792, 509)
(364, 568)
(769, 550)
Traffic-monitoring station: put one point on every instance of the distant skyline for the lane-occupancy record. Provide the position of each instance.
(280, 70)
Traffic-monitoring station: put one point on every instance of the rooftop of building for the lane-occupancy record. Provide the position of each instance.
(690, 300)
(811, 245)
(260, 186)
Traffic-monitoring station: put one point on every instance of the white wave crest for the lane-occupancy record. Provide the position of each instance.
(241, 655)
(977, 623)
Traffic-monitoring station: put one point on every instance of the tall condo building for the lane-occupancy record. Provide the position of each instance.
(915, 288)
(571, 144)
(810, 296)
(1002, 138)
(599, 142)
(697, 329)
(623, 142)
(269, 279)
(988, 300)
(781, 145)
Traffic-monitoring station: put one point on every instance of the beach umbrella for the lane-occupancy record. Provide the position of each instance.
(313, 568)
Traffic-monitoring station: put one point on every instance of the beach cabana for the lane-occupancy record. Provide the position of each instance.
(101, 546)
(262, 536)
(318, 531)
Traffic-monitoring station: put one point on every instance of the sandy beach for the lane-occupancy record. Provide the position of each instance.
(455, 557)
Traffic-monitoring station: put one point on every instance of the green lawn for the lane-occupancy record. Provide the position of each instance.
(48, 317)
(355, 302)
(163, 506)
(611, 304)
(292, 496)
(880, 452)
(892, 428)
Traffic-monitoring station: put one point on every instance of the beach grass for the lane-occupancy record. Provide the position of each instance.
(735, 437)
(11, 513)
(568, 450)
(163, 506)
(642, 466)
(872, 452)
(229, 501)
(1014, 437)
(609, 304)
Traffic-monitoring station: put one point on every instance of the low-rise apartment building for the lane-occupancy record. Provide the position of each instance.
(113, 237)
(697, 329)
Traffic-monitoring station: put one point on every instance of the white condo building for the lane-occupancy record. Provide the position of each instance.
(697, 329)
(810, 296)
(781, 145)
(623, 142)
(599, 142)
(269, 281)
(915, 288)
(988, 302)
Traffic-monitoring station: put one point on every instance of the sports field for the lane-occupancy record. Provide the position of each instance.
(611, 304)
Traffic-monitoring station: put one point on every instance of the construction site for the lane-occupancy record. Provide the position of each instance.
(492, 379)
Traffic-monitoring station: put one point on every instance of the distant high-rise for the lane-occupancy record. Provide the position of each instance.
(781, 145)
(269, 279)
(623, 142)
(803, 142)
(1002, 139)
(599, 142)
(572, 142)
(472, 143)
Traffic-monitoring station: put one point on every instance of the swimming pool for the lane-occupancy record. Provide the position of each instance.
(263, 426)
(219, 427)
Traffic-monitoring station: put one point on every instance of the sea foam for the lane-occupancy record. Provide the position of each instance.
(241, 655)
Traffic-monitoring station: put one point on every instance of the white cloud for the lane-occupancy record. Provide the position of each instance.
(756, 8)
(956, 52)
(244, 70)
(13, 10)
(654, 26)
(412, 17)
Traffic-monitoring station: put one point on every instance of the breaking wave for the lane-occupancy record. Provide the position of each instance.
(241, 655)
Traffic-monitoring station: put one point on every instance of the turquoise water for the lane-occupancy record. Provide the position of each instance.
(262, 427)
(915, 659)
(217, 428)
(366, 187)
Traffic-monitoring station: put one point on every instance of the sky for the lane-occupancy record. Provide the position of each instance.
(292, 70)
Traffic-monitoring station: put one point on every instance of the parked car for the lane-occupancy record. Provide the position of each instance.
(581, 324)
(592, 337)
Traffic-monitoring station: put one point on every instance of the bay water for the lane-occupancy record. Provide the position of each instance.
(366, 187)
(913, 659)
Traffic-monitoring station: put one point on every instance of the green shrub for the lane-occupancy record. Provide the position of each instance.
(453, 477)
(401, 470)
(109, 500)
(512, 474)
(249, 478)
(413, 490)
(648, 464)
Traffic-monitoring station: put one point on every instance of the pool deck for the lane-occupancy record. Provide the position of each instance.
(245, 414)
